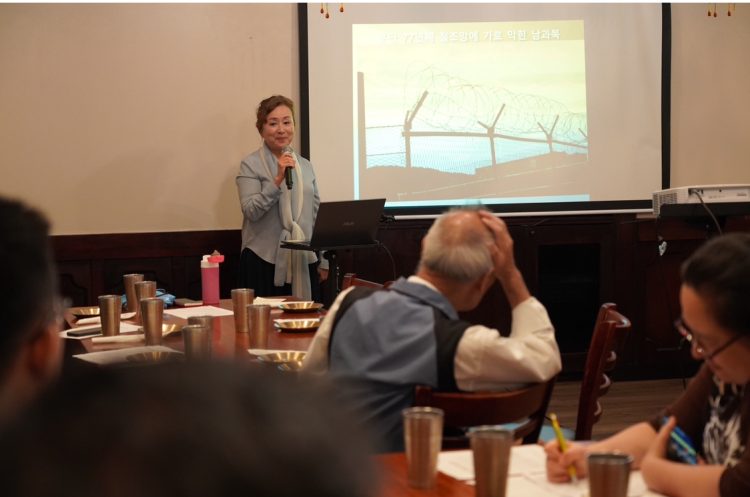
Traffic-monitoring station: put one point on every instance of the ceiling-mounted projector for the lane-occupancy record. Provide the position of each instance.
(687, 200)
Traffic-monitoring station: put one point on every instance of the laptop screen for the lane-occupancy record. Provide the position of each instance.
(351, 222)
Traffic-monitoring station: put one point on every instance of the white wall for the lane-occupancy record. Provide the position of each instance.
(133, 118)
(710, 95)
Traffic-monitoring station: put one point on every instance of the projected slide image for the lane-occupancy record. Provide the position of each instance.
(454, 111)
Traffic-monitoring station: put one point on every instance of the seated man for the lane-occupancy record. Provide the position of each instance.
(381, 343)
(30, 346)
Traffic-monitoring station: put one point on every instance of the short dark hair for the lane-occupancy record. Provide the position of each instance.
(185, 430)
(268, 105)
(719, 271)
(28, 292)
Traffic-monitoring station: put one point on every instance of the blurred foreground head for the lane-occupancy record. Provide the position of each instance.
(179, 431)
(30, 346)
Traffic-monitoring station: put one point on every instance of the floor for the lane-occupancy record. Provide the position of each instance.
(626, 403)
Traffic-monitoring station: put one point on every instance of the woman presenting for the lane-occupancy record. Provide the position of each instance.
(273, 212)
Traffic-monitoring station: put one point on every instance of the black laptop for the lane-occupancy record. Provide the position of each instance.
(346, 224)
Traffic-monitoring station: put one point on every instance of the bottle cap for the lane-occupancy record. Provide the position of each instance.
(215, 257)
(207, 262)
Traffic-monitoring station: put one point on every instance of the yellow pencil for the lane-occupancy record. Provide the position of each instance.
(563, 446)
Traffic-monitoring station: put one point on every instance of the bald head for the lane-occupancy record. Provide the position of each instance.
(457, 246)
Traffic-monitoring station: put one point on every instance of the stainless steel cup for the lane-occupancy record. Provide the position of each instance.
(259, 319)
(197, 340)
(208, 323)
(110, 307)
(129, 281)
(490, 447)
(609, 474)
(241, 298)
(143, 290)
(152, 312)
(423, 435)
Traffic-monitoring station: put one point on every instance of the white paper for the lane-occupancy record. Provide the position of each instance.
(120, 355)
(202, 310)
(524, 460)
(457, 464)
(98, 319)
(527, 460)
(527, 474)
(124, 328)
(268, 301)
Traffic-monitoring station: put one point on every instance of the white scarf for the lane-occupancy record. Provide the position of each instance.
(291, 265)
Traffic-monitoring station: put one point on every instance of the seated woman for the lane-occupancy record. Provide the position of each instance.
(714, 410)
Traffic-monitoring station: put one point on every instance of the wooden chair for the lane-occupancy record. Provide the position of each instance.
(466, 409)
(350, 279)
(609, 333)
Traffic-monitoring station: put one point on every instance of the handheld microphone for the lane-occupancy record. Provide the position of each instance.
(288, 171)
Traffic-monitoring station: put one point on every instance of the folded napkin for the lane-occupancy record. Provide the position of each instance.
(97, 319)
(267, 301)
(257, 352)
(128, 338)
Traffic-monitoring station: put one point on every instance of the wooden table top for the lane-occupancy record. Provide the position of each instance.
(393, 481)
(226, 342)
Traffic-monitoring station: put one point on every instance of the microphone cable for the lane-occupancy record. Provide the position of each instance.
(393, 262)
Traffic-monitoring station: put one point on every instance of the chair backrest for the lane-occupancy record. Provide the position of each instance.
(350, 279)
(466, 409)
(609, 333)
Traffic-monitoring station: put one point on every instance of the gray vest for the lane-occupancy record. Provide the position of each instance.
(383, 343)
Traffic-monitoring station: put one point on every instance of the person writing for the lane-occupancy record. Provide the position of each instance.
(279, 199)
(378, 344)
(714, 410)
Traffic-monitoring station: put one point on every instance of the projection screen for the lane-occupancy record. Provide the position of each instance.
(521, 107)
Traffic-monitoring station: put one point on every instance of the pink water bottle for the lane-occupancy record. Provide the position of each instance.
(210, 277)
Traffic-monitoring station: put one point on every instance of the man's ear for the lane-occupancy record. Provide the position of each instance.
(487, 281)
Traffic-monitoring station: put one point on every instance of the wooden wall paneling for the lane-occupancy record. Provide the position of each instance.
(138, 245)
(181, 276)
(97, 281)
(658, 348)
(172, 259)
(572, 263)
(404, 240)
(624, 270)
(228, 274)
(153, 269)
(75, 281)
(574, 275)
(493, 311)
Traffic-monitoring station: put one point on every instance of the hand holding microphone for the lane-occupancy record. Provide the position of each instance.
(288, 151)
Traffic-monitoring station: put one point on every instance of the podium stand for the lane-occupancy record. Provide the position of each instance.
(334, 278)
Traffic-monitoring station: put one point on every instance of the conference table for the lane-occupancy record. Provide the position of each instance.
(225, 342)
(526, 477)
(454, 478)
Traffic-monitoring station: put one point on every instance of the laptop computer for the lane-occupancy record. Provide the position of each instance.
(345, 224)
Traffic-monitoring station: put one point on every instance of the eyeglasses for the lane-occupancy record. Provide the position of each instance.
(688, 334)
